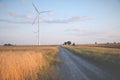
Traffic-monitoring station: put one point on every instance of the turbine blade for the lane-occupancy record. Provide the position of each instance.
(35, 20)
(35, 8)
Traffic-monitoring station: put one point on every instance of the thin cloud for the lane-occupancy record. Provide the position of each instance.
(26, 19)
(98, 35)
(15, 22)
(26, 16)
(50, 13)
(30, 19)
(69, 20)
(82, 32)
(3, 5)
(75, 30)
(13, 14)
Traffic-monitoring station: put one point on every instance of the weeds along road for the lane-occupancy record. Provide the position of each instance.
(77, 68)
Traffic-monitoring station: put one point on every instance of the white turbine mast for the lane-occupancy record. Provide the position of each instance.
(37, 17)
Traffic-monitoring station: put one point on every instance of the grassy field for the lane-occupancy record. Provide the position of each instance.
(110, 45)
(107, 57)
(28, 62)
(98, 53)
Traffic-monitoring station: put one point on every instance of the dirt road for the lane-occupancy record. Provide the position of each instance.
(77, 68)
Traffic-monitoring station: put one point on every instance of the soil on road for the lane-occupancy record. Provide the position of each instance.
(74, 67)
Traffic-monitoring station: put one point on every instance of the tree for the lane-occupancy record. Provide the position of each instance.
(69, 42)
(8, 44)
(65, 43)
(108, 43)
(73, 44)
(95, 42)
(114, 43)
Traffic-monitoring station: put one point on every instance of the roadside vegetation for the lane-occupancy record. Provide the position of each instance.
(106, 56)
(28, 62)
(97, 53)
(105, 45)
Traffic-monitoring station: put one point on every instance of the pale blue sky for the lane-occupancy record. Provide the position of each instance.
(80, 21)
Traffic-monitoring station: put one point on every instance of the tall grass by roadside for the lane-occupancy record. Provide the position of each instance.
(27, 63)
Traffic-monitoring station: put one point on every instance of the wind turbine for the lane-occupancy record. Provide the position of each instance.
(37, 17)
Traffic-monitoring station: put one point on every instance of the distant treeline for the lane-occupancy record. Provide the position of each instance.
(8, 44)
(69, 43)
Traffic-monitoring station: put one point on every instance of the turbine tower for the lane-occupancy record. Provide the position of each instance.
(37, 17)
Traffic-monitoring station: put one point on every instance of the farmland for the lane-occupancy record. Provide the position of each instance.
(59, 63)
(28, 62)
(105, 55)
(107, 45)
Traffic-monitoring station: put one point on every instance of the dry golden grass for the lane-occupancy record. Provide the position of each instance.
(26, 62)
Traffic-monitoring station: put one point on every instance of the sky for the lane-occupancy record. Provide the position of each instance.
(79, 21)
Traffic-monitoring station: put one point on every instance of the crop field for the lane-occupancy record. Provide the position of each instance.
(28, 62)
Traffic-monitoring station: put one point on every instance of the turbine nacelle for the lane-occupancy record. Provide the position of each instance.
(41, 11)
(38, 12)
